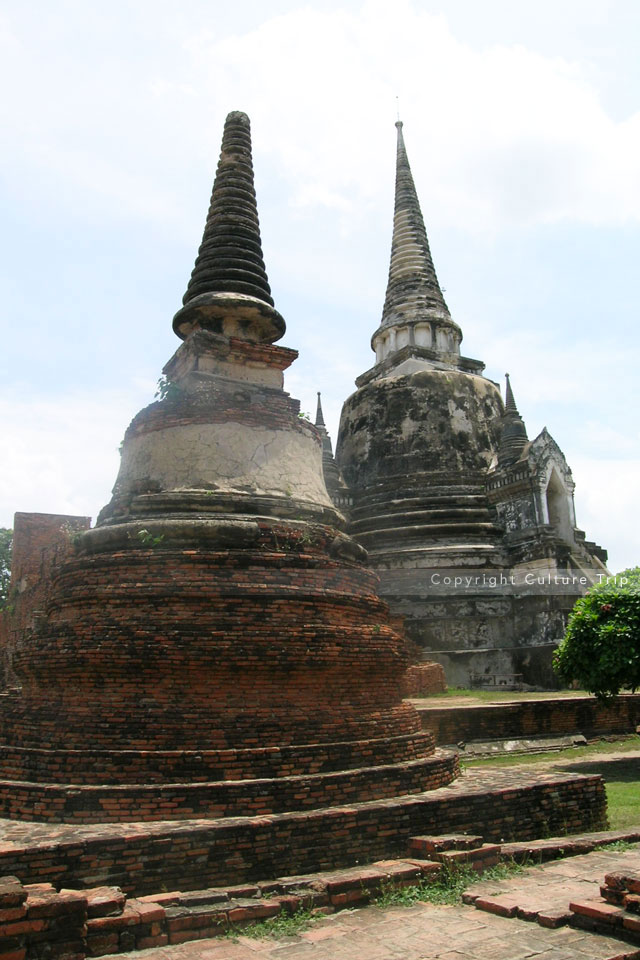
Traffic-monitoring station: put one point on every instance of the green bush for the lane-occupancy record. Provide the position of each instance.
(601, 647)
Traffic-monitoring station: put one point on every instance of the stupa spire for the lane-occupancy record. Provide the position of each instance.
(332, 477)
(412, 274)
(513, 435)
(229, 281)
(509, 403)
(416, 323)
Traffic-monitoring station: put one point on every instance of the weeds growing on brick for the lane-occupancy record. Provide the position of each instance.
(278, 927)
(619, 846)
(448, 886)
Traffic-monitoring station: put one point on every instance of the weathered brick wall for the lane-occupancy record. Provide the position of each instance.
(204, 766)
(424, 679)
(144, 857)
(210, 649)
(40, 541)
(226, 798)
(216, 669)
(533, 718)
(37, 922)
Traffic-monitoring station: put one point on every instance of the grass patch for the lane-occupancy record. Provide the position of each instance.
(619, 846)
(498, 695)
(623, 802)
(447, 888)
(276, 928)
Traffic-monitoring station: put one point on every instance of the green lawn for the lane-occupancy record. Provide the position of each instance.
(498, 695)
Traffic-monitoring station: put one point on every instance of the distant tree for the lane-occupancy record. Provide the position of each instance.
(6, 540)
(601, 647)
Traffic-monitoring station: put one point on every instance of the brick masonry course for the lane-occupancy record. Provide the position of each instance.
(38, 920)
(511, 804)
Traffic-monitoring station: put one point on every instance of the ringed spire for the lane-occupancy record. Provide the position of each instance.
(513, 433)
(412, 275)
(415, 317)
(229, 280)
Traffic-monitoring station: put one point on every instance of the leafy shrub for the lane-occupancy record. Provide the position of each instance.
(601, 647)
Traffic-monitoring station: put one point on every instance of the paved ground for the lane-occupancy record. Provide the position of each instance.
(425, 932)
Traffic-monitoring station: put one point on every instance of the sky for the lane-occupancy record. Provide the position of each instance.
(522, 126)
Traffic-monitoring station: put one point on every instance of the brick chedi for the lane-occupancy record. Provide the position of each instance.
(448, 495)
(215, 645)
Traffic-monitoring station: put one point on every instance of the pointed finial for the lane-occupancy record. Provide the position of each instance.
(398, 121)
(319, 417)
(229, 275)
(513, 433)
(412, 276)
(510, 403)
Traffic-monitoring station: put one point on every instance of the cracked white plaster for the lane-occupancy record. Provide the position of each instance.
(225, 457)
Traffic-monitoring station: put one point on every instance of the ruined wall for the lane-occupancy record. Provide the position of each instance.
(40, 541)
(212, 853)
(534, 718)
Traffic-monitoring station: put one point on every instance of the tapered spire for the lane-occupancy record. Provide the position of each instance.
(412, 276)
(229, 291)
(513, 434)
(334, 482)
(509, 402)
(415, 318)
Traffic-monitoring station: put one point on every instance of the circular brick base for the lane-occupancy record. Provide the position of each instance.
(77, 803)
(135, 767)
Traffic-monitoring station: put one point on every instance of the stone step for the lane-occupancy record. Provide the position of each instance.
(552, 848)
(103, 921)
(428, 844)
(626, 881)
(479, 859)
(386, 520)
(457, 849)
(456, 528)
(599, 916)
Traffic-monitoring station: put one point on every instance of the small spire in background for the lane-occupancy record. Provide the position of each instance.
(513, 433)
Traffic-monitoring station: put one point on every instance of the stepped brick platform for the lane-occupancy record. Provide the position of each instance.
(616, 911)
(103, 920)
(511, 804)
(568, 892)
(99, 803)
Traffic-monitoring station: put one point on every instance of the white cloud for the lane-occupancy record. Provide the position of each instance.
(62, 452)
(607, 506)
(507, 134)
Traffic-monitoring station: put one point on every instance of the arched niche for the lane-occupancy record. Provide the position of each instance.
(559, 507)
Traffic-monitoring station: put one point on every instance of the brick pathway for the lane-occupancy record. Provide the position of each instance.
(425, 932)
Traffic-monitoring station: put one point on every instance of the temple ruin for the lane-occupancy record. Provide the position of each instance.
(470, 526)
(205, 688)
